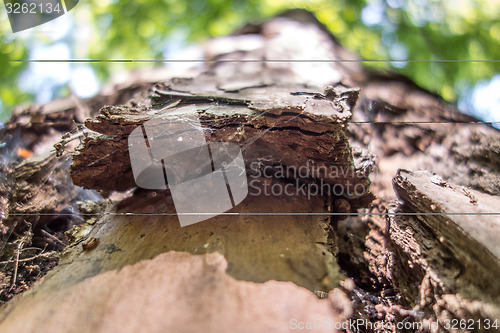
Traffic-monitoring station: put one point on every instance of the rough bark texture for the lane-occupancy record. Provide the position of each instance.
(38, 200)
(453, 257)
(403, 264)
(275, 126)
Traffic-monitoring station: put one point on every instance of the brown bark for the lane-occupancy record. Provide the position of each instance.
(452, 255)
(411, 267)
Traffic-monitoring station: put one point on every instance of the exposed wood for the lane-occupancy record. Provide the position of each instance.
(452, 252)
(159, 295)
(257, 248)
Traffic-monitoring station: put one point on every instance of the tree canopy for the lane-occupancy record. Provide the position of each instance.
(422, 35)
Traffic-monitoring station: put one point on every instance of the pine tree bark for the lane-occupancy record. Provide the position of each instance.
(414, 252)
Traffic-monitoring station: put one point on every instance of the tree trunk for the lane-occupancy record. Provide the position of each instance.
(385, 242)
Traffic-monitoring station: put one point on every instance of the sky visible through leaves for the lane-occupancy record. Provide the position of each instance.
(401, 30)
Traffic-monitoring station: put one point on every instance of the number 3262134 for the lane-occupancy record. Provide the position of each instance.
(32, 8)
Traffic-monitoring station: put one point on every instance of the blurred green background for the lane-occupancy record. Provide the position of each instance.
(157, 29)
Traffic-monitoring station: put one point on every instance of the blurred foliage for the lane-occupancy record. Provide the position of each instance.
(376, 29)
(10, 94)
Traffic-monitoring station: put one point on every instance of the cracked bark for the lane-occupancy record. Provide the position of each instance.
(413, 268)
(453, 257)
